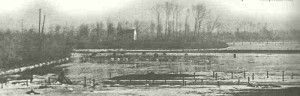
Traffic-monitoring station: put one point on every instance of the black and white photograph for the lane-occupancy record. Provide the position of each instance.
(149, 47)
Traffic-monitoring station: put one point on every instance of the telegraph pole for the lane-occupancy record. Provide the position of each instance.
(39, 34)
(43, 25)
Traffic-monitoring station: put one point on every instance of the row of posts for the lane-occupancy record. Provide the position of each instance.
(215, 75)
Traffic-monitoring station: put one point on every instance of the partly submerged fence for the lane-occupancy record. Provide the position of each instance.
(22, 69)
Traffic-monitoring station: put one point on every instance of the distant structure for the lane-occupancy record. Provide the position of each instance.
(127, 35)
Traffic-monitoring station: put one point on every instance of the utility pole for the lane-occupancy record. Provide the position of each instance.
(39, 34)
(43, 25)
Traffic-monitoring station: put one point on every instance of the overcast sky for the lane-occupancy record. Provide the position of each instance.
(282, 13)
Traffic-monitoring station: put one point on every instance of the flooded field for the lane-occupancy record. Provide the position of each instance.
(163, 73)
(171, 73)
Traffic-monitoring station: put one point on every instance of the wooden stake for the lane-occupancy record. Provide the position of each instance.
(94, 83)
(282, 75)
(239, 81)
(252, 76)
(130, 81)
(244, 74)
(194, 76)
(216, 76)
(267, 74)
(84, 84)
(248, 80)
(109, 75)
(292, 76)
(49, 81)
(231, 75)
(183, 81)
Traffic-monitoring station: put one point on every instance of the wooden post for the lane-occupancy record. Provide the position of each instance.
(252, 76)
(292, 76)
(27, 82)
(216, 76)
(244, 74)
(183, 81)
(152, 81)
(218, 83)
(239, 81)
(45, 82)
(94, 83)
(49, 80)
(231, 75)
(267, 74)
(84, 82)
(282, 75)
(165, 81)
(180, 74)
(248, 80)
(194, 76)
(130, 81)
(213, 74)
(202, 81)
(31, 77)
(109, 75)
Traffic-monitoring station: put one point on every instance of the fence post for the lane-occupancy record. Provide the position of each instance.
(27, 82)
(292, 76)
(244, 74)
(239, 81)
(282, 75)
(109, 75)
(231, 75)
(202, 81)
(165, 81)
(213, 74)
(49, 80)
(183, 81)
(180, 74)
(194, 76)
(152, 81)
(216, 76)
(94, 83)
(267, 74)
(248, 81)
(31, 77)
(218, 83)
(252, 76)
(84, 82)
(45, 82)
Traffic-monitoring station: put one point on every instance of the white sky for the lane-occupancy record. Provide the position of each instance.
(80, 11)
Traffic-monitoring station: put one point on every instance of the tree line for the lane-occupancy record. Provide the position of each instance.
(173, 26)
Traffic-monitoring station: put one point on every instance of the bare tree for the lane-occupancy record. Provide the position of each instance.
(168, 11)
(212, 25)
(200, 12)
(177, 12)
(157, 10)
(186, 25)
